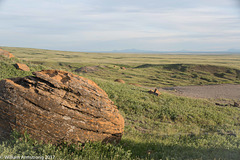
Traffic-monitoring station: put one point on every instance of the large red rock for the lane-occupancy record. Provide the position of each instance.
(6, 54)
(55, 106)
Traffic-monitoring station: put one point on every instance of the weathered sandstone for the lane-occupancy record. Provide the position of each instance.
(155, 92)
(22, 67)
(55, 106)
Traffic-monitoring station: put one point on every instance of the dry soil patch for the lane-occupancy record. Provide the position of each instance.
(226, 91)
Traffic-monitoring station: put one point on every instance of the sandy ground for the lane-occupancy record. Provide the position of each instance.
(226, 91)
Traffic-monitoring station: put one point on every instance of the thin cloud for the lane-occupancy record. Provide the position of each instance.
(94, 24)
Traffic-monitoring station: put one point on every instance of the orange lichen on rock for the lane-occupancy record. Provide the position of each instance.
(155, 92)
(22, 67)
(56, 106)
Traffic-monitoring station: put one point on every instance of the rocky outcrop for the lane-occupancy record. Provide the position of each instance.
(22, 67)
(55, 106)
(6, 54)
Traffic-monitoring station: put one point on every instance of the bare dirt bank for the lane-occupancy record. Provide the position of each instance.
(226, 91)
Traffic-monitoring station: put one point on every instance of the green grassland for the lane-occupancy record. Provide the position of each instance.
(156, 127)
(147, 70)
(40, 55)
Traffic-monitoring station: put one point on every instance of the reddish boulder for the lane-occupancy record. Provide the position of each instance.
(6, 54)
(155, 92)
(22, 67)
(123, 68)
(119, 81)
(55, 106)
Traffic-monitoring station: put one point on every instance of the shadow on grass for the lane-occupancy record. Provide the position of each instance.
(178, 151)
(179, 67)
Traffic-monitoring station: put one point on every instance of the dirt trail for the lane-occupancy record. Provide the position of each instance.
(226, 91)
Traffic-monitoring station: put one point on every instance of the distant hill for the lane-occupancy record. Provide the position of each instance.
(230, 51)
(133, 51)
(234, 50)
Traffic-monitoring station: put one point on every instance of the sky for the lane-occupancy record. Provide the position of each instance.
(105, 25)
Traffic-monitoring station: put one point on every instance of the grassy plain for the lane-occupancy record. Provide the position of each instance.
(41, 55)
(156, 127)
(145, 69)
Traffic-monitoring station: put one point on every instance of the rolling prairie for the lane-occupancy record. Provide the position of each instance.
(156, 127)
(41, 55)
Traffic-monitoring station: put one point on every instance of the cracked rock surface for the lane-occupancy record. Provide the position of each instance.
(55, 106)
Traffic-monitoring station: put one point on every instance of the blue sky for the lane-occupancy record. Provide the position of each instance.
(102, 25)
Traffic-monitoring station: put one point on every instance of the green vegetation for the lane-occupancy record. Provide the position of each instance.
(175, 127)
(156, 127)
(84, 58)
(147, 70)
(23, 146)
(169, 74)
(8, 70)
